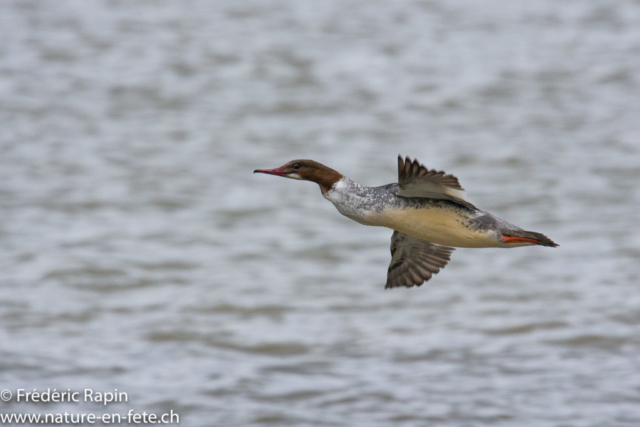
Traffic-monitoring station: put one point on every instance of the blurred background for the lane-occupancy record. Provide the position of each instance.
(138, 251)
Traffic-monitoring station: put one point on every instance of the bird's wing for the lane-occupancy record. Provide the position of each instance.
(414, 261)
(415, 180)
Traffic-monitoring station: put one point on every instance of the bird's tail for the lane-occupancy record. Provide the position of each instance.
(522, 236)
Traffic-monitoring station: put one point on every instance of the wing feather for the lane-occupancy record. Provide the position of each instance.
(415, 180)
(414, 261)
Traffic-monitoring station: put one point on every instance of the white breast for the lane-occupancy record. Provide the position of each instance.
(347, 199)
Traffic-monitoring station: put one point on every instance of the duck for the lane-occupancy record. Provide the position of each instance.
(427, 210)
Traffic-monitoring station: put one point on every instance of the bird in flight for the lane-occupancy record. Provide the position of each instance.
(426, 209)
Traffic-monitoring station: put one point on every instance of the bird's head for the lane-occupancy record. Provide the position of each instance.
(307, 170)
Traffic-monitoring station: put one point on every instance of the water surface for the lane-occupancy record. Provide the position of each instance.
(140, 253)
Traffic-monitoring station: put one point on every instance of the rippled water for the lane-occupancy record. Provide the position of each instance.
(138, 251)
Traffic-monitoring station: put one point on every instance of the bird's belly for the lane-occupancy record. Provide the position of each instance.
(442, 225)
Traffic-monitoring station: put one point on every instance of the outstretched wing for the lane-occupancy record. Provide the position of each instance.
(415, 180)
(414, 261)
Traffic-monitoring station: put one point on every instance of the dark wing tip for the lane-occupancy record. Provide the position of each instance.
(409, 169)
(410, 285)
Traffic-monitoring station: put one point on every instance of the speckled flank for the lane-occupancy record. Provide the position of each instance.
(439, 221)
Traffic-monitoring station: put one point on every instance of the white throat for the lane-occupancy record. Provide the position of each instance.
(348, 198)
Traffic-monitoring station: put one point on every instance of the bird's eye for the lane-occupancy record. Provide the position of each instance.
(296, 166)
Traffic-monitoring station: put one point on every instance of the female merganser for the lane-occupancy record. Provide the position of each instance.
(427, 210)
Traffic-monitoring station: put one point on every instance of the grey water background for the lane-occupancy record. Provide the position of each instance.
(139, 253)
